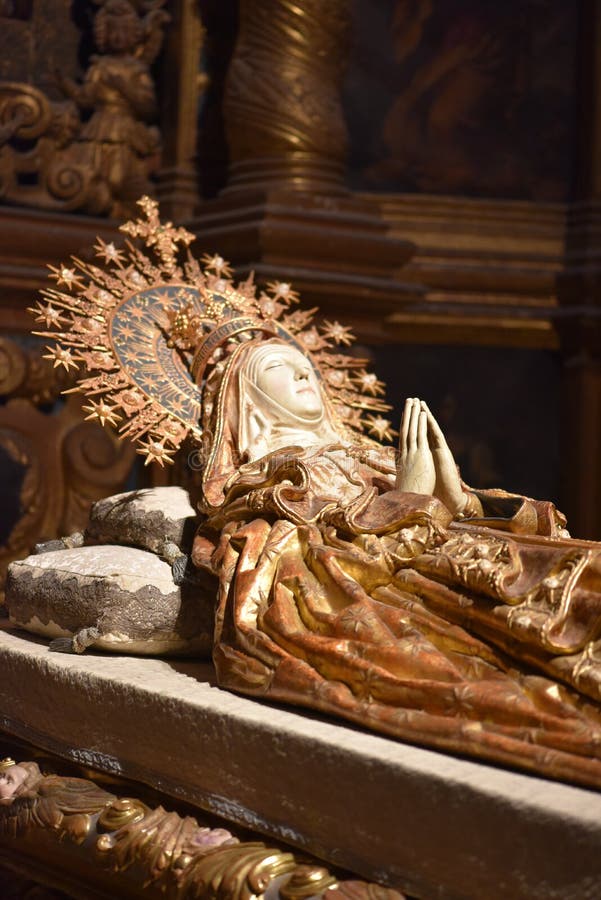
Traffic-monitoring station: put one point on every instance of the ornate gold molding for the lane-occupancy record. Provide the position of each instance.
(82, 834)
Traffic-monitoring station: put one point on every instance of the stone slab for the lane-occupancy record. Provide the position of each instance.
(436, 826)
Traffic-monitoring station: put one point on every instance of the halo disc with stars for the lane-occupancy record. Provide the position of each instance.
(141, 347)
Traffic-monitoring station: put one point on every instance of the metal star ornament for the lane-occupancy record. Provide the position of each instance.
(103, 412)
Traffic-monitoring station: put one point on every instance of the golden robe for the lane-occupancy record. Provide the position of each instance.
(339, 593)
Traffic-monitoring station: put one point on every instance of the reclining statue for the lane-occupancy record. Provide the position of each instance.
(343, 575)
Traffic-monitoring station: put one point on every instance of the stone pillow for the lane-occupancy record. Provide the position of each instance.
(159, 519)
(114, 598)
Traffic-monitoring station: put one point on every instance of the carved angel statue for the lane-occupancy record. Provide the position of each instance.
(118, 142)
(348, 577)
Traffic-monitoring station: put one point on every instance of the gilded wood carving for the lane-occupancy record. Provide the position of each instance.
(95, 149)
(124, 844)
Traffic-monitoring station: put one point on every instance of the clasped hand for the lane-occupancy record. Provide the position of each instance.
(426, 464)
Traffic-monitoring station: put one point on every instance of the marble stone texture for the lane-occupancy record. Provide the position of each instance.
(436, 826)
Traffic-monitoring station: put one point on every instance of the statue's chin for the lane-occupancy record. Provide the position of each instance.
(311, 416)
(297, 416)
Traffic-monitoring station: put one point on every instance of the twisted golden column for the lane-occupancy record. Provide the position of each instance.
(284, 121)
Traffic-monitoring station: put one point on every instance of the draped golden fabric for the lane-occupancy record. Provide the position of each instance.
(338, 593)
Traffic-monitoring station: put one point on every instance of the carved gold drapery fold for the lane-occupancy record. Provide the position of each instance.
(284, 120)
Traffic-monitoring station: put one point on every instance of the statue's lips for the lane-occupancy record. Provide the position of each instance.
(306, 390)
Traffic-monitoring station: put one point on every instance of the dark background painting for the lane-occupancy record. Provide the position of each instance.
(463, 96)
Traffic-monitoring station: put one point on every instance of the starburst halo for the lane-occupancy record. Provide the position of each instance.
(133, 325)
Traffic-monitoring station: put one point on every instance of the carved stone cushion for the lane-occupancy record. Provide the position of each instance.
(150, 519)
(114, 598)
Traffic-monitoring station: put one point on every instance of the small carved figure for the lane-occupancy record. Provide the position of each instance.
(102, 163)
(350, 578)
(30, 800)
(117, 142)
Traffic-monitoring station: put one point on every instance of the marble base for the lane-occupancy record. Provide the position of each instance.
(435, 826)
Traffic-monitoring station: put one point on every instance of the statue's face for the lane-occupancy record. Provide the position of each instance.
(118, 28)
(288, 377)
(11, 779)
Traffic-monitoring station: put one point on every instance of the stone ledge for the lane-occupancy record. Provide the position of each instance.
(435, 826)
